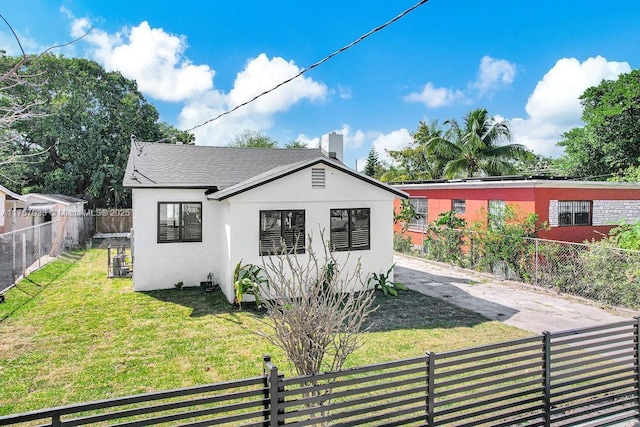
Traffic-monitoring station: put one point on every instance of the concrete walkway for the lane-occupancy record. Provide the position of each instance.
(523, 306)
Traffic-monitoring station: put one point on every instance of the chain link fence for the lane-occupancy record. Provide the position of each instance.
(597, 271)
(28, 249)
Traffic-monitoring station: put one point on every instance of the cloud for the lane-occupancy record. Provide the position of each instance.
(157, 61)
(434, 97)
(262, 74)
(395, 140)
(554, 106)
(494, 74)
(344, 92)
(151, 56)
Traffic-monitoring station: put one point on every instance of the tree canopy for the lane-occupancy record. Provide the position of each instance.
(253, 139)
(415, 162)
(85, 119)
(476, 147)
(610, 139)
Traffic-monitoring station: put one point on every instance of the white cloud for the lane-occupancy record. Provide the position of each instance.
(434, 97)
(494, 74)
(156, 60)
(554, 108)
(262, 74)
(395, 140)
(344, 92)
(151, 56)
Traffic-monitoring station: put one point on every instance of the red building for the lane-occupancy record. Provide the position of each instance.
(575, 210)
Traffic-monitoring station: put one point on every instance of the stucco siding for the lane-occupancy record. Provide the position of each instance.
(294, 192)
(231, 234)
(161, 265)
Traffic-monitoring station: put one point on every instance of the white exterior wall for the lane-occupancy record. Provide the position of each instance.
(294, 192)
(231, 228)
(5, 212)
(161, 265)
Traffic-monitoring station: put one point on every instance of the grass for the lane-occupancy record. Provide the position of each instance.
(69, 334)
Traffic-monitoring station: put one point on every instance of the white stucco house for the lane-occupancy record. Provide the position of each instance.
(202, 209)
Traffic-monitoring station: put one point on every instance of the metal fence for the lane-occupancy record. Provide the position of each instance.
(597, 271)
(27, 249)
(587, 376)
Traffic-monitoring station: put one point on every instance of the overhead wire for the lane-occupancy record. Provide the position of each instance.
(311, 67)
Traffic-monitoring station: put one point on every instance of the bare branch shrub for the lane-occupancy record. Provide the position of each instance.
(316, 310)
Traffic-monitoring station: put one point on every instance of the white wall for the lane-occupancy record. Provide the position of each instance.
(161, 265)
(231, 228)
(295, 192)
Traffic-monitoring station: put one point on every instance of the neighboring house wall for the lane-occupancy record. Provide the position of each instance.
(612, 203)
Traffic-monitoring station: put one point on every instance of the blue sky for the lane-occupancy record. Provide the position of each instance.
(526, 62)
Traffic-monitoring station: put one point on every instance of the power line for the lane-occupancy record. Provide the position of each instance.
(311, 67)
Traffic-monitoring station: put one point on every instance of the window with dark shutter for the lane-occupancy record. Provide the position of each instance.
(280, 230)
(350, 229)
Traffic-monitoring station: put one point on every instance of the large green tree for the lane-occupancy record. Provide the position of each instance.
(415, 162)
(88, 116)
(609, 142)
(479, 146)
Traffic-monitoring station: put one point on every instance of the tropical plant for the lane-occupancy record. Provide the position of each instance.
(416, 162)
(248, 280)
(388, 287)
(504, 243)
(444, 238)
(476, 147)
(406, 215)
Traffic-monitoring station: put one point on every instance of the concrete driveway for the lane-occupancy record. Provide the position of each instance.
(523, 306)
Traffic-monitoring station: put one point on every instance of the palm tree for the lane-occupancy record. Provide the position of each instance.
(415, 162)
(476, 147)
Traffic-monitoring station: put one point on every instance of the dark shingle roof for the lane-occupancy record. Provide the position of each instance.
(199, 166)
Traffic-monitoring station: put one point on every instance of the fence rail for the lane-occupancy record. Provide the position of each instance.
(27, 249)
(586, 376)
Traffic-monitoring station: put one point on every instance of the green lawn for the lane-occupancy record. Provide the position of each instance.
(69, 334)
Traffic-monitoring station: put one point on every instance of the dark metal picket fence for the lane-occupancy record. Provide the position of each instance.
(583, 377)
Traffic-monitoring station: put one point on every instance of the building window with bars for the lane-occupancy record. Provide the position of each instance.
(179, 222)
(350, 229)
(282, 230)
(574, 212)
(420, 207)
(458, 206)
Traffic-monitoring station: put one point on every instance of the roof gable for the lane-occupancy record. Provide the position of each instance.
(11, 194)
(199, 166)
(282, 171)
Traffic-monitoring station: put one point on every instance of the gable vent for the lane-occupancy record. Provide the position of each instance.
(317, 178)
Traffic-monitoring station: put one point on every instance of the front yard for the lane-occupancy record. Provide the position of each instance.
(71, 335)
